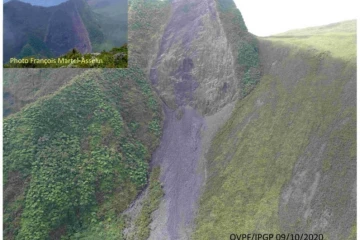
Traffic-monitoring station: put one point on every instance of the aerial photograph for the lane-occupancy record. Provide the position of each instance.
(232, 120)
(65, 33)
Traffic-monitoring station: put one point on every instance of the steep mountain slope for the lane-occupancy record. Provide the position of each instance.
(113, 20)
(101, 3)
(289, 138)
(26, 86)
(79, 156)
(20, 18)
(49, 31)
(286, 159)
(197, 43)
(196, 70)
(147, 46)
(43, 3)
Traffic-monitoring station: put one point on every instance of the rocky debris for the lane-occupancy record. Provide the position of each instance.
(178, 156)
(188, 74)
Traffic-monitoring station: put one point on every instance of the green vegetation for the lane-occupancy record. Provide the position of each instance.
(39, 47)
(46, 32)
(34, 47)
(249, 80)
(155, 127)
(28, 26)
(339, 39)
(229, 11)
(229, 8)
(150, 204)
(115, 58)
(252, 157)
(109, 229)
(248, 56)
(27, 50)
(248, 59)
(334, 28)
(74, 158)
(353, 233)
(244, 45)
(147, 20)
(143, 11)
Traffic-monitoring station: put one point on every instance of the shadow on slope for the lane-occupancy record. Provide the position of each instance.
(286, 160)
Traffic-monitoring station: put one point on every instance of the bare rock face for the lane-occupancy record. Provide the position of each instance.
(195, 71)
(194, 64)
(66, 30)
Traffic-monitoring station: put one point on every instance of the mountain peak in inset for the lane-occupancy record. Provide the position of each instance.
(52, 31)
(43, 3)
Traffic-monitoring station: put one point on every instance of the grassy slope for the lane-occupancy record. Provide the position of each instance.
(338, 38)
(74, 160)
(24, 86)
(150, 204)
(344, 27)
(253, 155)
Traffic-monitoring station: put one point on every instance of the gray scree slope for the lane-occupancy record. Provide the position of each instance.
(194, 60)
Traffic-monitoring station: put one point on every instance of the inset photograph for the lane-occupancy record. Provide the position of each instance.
(65, 33)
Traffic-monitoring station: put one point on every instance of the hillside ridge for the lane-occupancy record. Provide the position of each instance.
(210, 131)
(48, 31)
